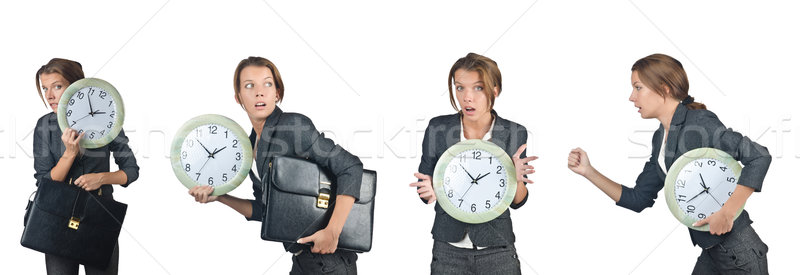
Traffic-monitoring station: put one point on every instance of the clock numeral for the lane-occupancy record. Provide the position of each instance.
(73, 124)
(190, 143)
(730, 193)
(69, 112)
(488, 205)
(453, 168)
(188, 168)
(450, 193)
(184, 155)
(502, 182)
(103, 132)
(112, 114)
(103, 95)
(110, 123)
(110, 102)
(698, 164)
(462, 158)
(460, 201)
(91, 136)
(226, 134)
(499, 167)
(690, 209)
(447, 181)
(681, 198)
(210, 180)
(80, 131)
(712, 163)
(723, 168)
(234, 169)
(731, 179)
(497, 195)
(198, 177)
(476, 155)
(225, 177)
(198, 132)
(235, 142)
(238, 156)
(91, 91)
(71, 101)
(212, 129)
(701, 216)
(490, 160)
(680, 184)
(80, 95)
(473, 207)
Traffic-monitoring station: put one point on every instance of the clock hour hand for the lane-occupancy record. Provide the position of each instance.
(210, 155)
(218, 150)
(91, 110)
(480, 177)
(702, 182)
(468, 174)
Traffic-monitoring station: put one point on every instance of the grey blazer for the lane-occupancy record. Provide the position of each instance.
(691, 129)
(443, 132)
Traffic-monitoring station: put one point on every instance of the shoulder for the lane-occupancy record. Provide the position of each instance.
(45, 118)
(702, 118)
(510, 125)
(294, 119)
(443, 120)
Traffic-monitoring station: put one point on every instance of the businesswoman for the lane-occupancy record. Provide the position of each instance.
(258, 88)
(474, 83)
(59, 157)
(661, 91)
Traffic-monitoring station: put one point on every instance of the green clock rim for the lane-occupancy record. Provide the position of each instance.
(238, 132)
(449, 207)
(672, 175)
(118, 120)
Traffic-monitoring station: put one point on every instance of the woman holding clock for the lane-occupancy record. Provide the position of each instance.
(59, 157)
(258, 88)
(661, 91)
(463, 248)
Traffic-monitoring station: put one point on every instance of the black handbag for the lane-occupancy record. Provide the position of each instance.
(300, 199)
(67, 221)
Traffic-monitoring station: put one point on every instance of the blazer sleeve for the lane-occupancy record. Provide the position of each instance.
(521, 138)
(256, 203)
(43, 160)
(124, 158)
(346, 167)
(645, 192)
(428, 161)
(754, 157)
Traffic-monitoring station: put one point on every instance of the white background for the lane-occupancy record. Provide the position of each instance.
(372, 74)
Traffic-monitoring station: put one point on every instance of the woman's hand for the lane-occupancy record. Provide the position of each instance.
(325, 241)
(578, 162)
(425, 188)
(71, 140)
(202, 193)
(720, 222)
(521, 166)
(91, 181)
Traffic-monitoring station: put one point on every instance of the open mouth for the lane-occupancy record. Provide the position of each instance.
(261, 104)
(469, 109)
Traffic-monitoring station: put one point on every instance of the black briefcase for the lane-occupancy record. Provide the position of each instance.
(67, 221)
(300, 199)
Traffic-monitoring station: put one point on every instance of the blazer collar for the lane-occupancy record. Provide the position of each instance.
(678, 119)
(500, 133)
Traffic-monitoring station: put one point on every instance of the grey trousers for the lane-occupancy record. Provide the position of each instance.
(339, 263)
(742, 252)
(57, 265)
(448, 259)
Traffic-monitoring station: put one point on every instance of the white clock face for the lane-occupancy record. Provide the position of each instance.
(703, 186)
(91, 110)
(475, 181)
(212, 155)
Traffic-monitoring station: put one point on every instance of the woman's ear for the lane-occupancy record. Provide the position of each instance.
(236, 97)
(496, 91)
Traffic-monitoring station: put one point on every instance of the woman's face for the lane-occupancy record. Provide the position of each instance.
(53, 85)
(470, 95)
(257, 91)
(649, 103)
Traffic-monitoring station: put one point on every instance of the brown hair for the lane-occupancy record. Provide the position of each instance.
(660, 72)
(70, 70)
(262, 62)
(486, 68)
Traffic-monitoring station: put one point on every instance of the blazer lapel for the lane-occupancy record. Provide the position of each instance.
(671, 152)
(262, 152)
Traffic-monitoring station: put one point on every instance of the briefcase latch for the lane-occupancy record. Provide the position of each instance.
(74, 223)
(324, 195)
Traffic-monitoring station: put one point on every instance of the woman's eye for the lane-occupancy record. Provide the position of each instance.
(44, 89)
(459, 88)
(248, 85)
(479, 88)
(268, 84)
(58, 87)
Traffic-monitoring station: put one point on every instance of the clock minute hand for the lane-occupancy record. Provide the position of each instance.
(695, 196)
(91, 110)
(210, 155)
(468, 174)
(703, 182)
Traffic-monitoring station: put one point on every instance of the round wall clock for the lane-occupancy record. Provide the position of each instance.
(211, 150)
(93, 107)
(699, 183)
(474, 181)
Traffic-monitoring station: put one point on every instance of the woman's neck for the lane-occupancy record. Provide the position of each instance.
(476, 129)
(666, 116)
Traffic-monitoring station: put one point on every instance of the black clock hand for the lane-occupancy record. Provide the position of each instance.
(480, 177)
(204, 165)
(99, 112)
(210, 155)
(91, 110)
(218, 150)
(715, 199)
(702, 182)
(465, 170)
(695, 196)
(465, 192)
(76, 121)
